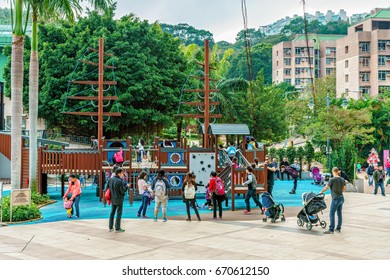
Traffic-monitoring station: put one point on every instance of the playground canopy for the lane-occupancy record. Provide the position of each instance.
(226, 129)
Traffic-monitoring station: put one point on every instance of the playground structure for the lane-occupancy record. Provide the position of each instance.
(176, 160)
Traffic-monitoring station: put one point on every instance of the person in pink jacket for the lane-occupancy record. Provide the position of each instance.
(118, 157)
(75, 189)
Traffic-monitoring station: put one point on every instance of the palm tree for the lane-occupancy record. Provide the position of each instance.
(16, 91)
(47, 10)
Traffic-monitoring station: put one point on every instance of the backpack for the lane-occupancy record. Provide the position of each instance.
(219, 186)
(231, 151)
(160, 188)
(189, 191)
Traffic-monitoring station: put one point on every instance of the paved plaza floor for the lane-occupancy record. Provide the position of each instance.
(365, 236)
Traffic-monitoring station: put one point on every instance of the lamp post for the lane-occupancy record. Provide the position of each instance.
(311, 106)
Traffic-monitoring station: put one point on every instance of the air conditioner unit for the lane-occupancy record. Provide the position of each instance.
(388, 58)
(388, 43)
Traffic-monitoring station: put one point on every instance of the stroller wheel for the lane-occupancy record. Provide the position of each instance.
(323, 224)
(273, 221)
(309, 226)
(300, 222)
(283, 219)
(264, 220)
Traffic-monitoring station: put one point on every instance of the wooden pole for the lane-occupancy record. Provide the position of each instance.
(100, 91)
(206, 94)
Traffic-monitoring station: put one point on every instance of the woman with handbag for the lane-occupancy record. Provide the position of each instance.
(189, 192)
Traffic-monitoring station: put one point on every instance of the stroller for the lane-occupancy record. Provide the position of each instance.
(317, 176)
(272, 210)
(313, 204)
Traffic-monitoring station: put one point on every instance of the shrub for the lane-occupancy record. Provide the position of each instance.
(19, 213)
(40, 199)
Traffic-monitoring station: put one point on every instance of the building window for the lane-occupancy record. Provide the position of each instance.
(330, 61)
(287, 72)
(364, 46)
(329, 71)
(365, 90)
(330, 51)
(346, 78)
(297, 82)
(365, 61)
(382, 60)
(297, 60)
(298, 71)
(287, 51)
(346, 49)
(346, 64)
(382, 75)
(288, 81)
(298, 51)
(365, 76)
(382, 45)
(287, 61)
(277, 63)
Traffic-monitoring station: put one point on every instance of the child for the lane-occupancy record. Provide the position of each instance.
(208, 199)
(145, 165)
(358, 167)
(68, 206)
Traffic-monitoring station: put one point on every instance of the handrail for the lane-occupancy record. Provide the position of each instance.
(242, 161)
(223, 159)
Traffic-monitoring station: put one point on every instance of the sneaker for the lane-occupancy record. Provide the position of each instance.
(188, 220)
(77, 217)
(199, 219)
(164, 219)
(292, 192)
(138, 215)
(110, 229)
(247, 212)
(155, 219)
(329, 232)
(214, 218)
(120, 230)
(144, 217)
(338, 230)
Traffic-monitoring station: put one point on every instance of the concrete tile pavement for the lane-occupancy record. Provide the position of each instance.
(365, 236)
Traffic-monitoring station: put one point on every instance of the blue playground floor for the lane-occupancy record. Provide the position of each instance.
(92, 208)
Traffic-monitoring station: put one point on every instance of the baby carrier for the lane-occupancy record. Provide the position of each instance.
(312, 205)
(273, 211)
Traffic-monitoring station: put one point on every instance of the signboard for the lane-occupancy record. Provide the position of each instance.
(20, 197)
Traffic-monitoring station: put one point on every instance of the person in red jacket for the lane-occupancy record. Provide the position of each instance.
(217, 199)
(75, 189)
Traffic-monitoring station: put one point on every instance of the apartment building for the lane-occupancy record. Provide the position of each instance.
(293, 63)
(363, 57)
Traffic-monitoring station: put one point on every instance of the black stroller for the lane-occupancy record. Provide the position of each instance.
(313, 204)
(273, 211)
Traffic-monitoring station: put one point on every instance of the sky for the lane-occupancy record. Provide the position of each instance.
(224, 19)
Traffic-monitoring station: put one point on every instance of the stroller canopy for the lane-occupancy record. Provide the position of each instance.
(266, 200)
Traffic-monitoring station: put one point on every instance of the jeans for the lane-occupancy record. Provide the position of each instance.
(144, 205)
(217, 199)
(336, 207)
(192, 202)
(251, 194)
(295, 183)
(270, 187)
(118, 210)
(388, 171)
(370, 180)
(381, 185)
(75, 204)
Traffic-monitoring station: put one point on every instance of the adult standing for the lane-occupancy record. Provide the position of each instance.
(160, 186)
(75, 189)
(379, 179)
(117, 191)
(297, 168)
(337, 187)
(251, 193)
(189, 195)
(145, 193)
(284, 162)
(370, 174)
(277, 170)
(217, 199)
(271, 169)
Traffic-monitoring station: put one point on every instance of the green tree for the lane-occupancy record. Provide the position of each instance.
(291, 154)
(188, 34)
(309, 153)
(345, 157)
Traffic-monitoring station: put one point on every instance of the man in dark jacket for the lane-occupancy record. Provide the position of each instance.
(117, 191)
(284, 162)
(370, 174)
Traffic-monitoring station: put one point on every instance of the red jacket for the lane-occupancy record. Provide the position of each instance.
(212, 185)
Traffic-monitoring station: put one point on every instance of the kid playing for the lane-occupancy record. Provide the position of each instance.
(68, 206)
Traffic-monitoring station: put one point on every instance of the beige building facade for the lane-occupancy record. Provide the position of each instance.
(292, 62)
(363, 57)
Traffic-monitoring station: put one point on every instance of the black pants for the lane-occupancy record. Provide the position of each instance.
(217, 199)
(252, 194)
(270, 187)
(193, 205)
(118, 210)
